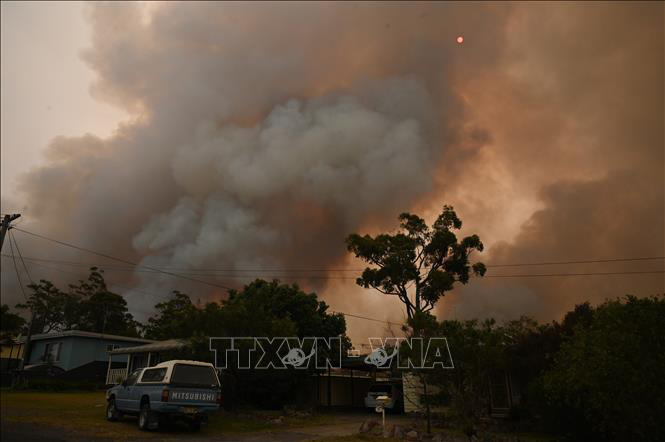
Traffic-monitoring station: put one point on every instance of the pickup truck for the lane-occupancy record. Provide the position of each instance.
(186, 390)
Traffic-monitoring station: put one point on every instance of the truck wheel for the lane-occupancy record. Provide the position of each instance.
(112, 413)
(195, 424)
(147, 421)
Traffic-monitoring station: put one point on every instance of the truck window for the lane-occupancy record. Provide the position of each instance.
(131, 380)
(153, 375)
(194, 375)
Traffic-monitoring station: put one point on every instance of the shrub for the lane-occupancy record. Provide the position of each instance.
(46, 384)
(608, 379)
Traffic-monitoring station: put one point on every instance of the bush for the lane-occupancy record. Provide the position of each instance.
(608, 379)
(45, 384)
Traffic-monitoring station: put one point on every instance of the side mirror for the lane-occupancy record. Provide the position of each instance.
(124, 383)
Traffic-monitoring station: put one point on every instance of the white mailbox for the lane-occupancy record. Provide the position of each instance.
(381, 402)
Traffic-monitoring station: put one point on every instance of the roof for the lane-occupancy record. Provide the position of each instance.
(358, 363)
(154, 346)
(181, 361)
(85, 334)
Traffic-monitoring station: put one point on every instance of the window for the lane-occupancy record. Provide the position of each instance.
(131, 380)
(52, 352)
(153, 375)
(194, 375)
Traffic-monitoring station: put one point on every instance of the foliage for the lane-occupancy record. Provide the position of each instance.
(244, 311)
(261, 309)
(175, 318)
(47, 305)
(431, 260)
(607, 381)
(88, 306)
(477, 349)
(46, 384)
(100, 310)
(272, 309)
(11, 323)
(596, 375)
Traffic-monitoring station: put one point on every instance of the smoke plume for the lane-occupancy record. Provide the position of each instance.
(262, 134)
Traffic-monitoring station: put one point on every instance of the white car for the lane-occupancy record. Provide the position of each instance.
(391, 390)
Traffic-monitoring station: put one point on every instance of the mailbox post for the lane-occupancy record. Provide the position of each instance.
(381, 402)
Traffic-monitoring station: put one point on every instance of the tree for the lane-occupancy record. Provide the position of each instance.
(607, 381)
(91, 306)
(260, 309)
(175, 318)
(418, 264)
(11, 323)
(477, 350)
(430, 260)
(47, 304)
(271, 309)
(273, 300)
(88, 305)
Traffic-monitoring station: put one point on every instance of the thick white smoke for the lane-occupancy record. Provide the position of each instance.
(262, 134)
(337, 153)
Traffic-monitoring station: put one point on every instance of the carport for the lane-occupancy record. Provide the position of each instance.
(347, 386)
(139, 357)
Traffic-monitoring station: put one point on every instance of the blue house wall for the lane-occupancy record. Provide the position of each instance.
(76, 351)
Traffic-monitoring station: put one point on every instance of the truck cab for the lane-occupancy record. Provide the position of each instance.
(179, 389)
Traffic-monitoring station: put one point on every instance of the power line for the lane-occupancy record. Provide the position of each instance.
(335, 277)
(369, 319)
(18, 276)
(162, 296)
(104, 255)
(257, 275)
(12, 242)
(576, 274)
(111, 283)
(148, 269)
(13, 238)
(199, 271)
(595, 261)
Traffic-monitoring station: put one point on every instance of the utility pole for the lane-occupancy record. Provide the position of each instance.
(6, 221)
(5, 226)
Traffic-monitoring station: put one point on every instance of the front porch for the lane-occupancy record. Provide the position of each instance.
(140, 356)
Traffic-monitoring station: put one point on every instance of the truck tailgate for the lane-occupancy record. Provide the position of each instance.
(193, 396)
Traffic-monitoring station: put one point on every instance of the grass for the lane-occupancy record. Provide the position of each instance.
(83, 414)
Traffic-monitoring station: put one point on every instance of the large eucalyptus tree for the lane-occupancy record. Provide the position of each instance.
(418, 263)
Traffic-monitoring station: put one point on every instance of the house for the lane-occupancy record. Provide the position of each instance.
(10, 360)
(504, 392)
(347, 386)
(12, 354)
(74, 354)
(414, 393)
